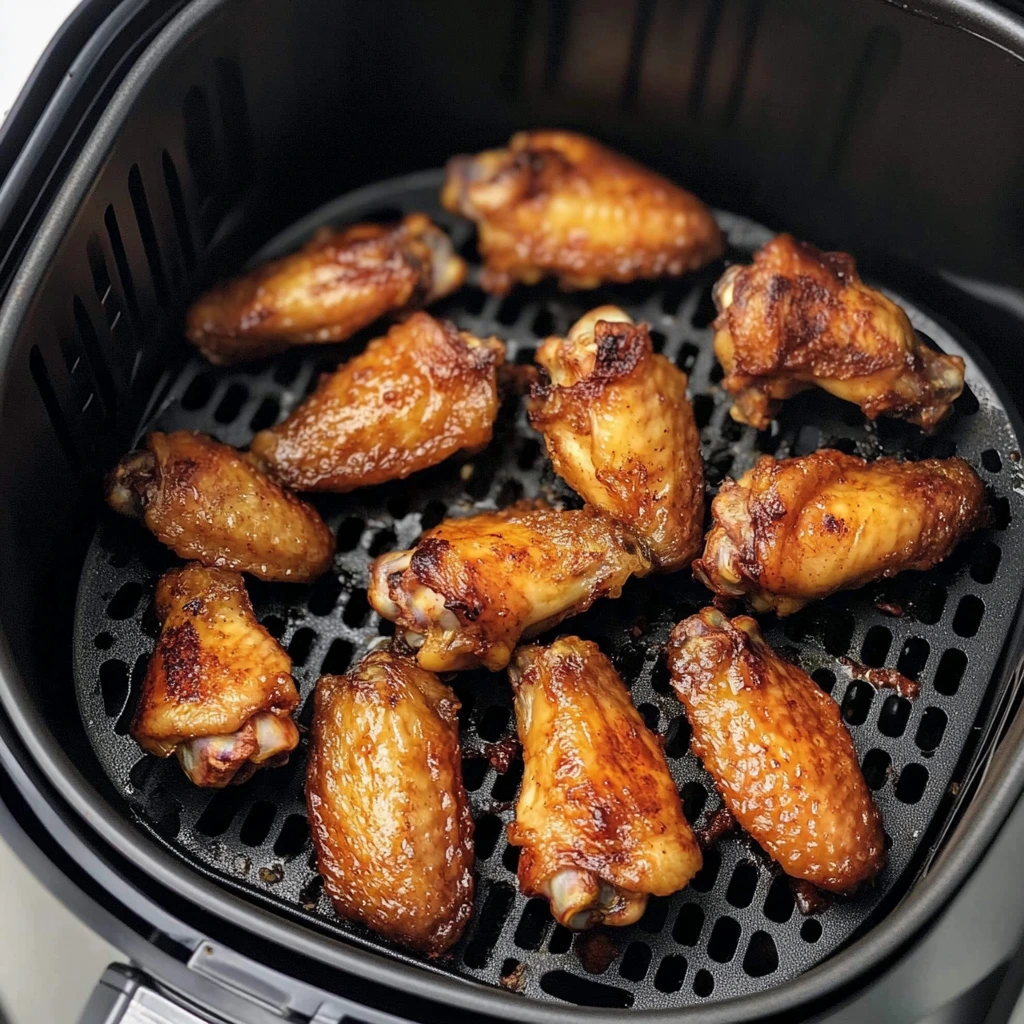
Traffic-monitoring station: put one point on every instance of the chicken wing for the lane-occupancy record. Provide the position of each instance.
(799, 318)
(207, 501)
(620, 430)
(472, 587)
(387, 809)
(218, 691)
(419, 394)
(339, 282)
(555, 203)
(599, 817)
(778, 752)
(792, 531)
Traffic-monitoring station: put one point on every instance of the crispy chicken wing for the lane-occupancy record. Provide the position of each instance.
(472, 587)
(207, 501)
(339, 282)
(778, 752)
(799, 318)
(554, 203)
(620, 430)
(796, 530)
(599, 818)
(387, 809)
(419, 394)
(218, 691)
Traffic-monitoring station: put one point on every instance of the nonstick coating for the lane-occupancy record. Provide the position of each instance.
(735, 929)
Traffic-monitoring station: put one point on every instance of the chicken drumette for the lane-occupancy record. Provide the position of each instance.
(792, 531)
(387, 808)
(620, 430)
(555, 203)
(778, 751)
(799, 318)
(218, 691)
(599, 818)
(339, 282)
(422, 392)
(207, 501)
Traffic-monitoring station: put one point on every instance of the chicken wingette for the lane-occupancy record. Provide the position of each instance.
(218, 692)
(620, 430)
(799, 318)
(598, 816)
(388, 812)
(339, 282)
(419, 394)
(778, 751)
(791, 531)
(555, 203)
(208, 502)
(472, 587)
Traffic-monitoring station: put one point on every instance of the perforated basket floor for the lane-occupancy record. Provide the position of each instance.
(734, 930)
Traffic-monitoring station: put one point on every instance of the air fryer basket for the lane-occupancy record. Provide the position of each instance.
(230, 128)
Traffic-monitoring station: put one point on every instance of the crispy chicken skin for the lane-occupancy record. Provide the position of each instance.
(218, 691)
(792, 531)
(620, 430)
(470, 588)
(207, 501)
(337, 283)
(555, 203)
(799, 318)
(778, 752)
(599, 818)
(419, 394)
(387, 809)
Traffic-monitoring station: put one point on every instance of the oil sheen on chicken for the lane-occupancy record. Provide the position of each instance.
(795, 530)
(778, 751)
(620, 430)
(800, 318)
(218, 692)
(472, 587)
(419, 394)
(554, 203)
(207, 501)
(388, 812)
(598, 817)
(339, 282)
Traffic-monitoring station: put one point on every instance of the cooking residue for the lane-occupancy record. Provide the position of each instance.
(809, 899)
(596, 950)
(515, 980)
(718, 825)
(883, 678)
(889, 607)
(500, 755)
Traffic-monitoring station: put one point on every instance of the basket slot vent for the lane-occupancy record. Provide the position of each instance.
(41, 377)
(97, 360)
(234, 112)
(584, 992)
(181, 224)
(200, 144)
(144, 221)
(121, 260)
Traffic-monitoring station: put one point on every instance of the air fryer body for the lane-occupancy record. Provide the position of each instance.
(193, 135)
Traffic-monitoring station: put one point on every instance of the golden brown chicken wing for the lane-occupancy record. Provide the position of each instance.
(218, 691)
(555, 203)
(620, 430)
(419, 394)
(778, 752)
(599, 818)
(799, 318)
(796, 530)
(472, 587)
(207, 501)
(339, 282)
(387, 809)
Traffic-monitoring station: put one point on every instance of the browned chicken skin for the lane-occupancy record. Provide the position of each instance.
(472, 587)
(419, 394)
(555, 203)
(218, 691)
(778, 752)
(620, 430)
(387, 808)
(339, 282)
(799, 318)
(796, 530)
(207, 501)
(599, 818)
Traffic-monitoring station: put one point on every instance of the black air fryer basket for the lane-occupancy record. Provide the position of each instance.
(198, 138)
